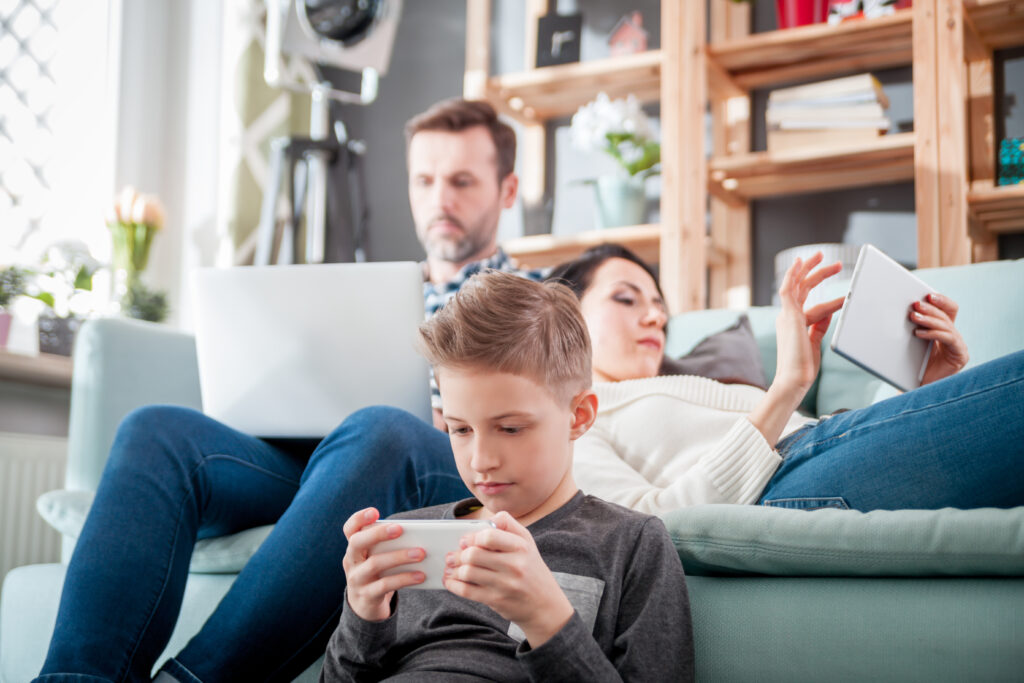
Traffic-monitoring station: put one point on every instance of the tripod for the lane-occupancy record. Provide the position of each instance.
(324, 174)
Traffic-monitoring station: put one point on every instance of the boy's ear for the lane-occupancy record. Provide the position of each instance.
(584, 412)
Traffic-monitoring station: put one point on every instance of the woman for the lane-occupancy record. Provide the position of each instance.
(660, 443)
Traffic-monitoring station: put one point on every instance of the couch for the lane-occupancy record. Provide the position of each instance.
(776, 594)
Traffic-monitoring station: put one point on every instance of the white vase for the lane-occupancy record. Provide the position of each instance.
(620, 201)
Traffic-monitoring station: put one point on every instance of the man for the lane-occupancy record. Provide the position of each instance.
(175, 475)
(461, 159)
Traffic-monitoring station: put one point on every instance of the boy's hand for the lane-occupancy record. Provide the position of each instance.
(369, 593)
(502, 568)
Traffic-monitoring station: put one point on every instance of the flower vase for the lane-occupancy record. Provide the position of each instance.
(620, 201)
(121, 284)
(57, 335)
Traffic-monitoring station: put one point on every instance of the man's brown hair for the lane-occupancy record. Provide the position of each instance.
(505, 323)
(456, 115)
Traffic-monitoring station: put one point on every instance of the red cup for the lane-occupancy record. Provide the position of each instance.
(792, 13)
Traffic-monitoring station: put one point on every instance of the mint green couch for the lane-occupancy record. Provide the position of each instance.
(777, 595)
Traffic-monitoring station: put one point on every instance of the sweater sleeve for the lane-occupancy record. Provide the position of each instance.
(653, 636)
(572, 654)
(358, 647)
(735, 470)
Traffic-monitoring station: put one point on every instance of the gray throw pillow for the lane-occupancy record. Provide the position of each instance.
(730, 356)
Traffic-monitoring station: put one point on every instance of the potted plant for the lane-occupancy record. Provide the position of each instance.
(12, 285)
(63, 282)
(621, 129)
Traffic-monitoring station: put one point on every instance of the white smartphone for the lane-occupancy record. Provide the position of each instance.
(437, 537)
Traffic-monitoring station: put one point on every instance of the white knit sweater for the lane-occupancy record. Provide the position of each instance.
(667, 442)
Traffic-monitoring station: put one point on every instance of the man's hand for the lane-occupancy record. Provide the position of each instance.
(934, 318)
(369, 593)
(502, 568)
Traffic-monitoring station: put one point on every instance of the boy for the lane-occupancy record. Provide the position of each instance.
(564, 586)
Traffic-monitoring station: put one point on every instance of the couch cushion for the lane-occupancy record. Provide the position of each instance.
(66, 511)
(730, 356)
(747, 539)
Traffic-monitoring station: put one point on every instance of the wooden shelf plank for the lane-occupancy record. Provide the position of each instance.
(44, 369)
(999, 23)
(769, 174)
(816, 51)
(998, 209)
(554, 91)
(541, 251)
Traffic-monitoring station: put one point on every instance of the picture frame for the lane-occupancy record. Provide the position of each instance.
(558, 39)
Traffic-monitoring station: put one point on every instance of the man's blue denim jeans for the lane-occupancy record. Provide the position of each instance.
(957, 443)
(175, 476)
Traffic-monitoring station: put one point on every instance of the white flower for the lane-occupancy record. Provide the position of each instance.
(594, 123)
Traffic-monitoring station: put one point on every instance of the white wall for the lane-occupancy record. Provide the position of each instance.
(168, 92)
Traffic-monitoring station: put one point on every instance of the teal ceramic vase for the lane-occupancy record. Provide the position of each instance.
(620, 201)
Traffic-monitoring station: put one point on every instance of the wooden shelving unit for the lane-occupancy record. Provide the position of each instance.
(741, 177)
(539, 251)
(997, 209)
(554, 91)
(950, 156)
(808, 52)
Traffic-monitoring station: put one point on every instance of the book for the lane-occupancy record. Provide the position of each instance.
(779, 140)
(864, 83)
(830, 101)
(824, 116)
(815, 124)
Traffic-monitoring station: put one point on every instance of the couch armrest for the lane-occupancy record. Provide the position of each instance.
(121, 365)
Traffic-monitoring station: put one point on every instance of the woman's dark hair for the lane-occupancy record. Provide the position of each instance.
(579, 273)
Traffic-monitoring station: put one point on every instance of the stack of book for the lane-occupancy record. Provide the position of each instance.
(841, 112)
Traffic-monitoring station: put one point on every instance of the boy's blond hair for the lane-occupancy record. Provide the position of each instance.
(503, 322)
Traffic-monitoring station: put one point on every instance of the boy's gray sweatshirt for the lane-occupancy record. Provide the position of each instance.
(619, 570)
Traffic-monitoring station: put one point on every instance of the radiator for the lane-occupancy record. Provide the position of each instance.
(29, 465)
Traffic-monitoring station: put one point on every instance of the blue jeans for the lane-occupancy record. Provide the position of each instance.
(957, 443)
(175, 476)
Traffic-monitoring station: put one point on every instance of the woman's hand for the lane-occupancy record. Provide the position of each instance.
(798, 338)
(502, 568)
(369, 593)
(935, 317)
(799, 332)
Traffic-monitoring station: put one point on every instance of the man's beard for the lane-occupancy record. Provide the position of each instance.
(453, 250)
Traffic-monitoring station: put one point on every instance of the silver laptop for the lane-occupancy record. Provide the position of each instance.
(290, 351)
(874, 330)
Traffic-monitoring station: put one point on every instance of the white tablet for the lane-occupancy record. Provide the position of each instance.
(874, 330)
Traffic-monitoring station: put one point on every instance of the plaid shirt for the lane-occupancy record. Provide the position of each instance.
(436, 296)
